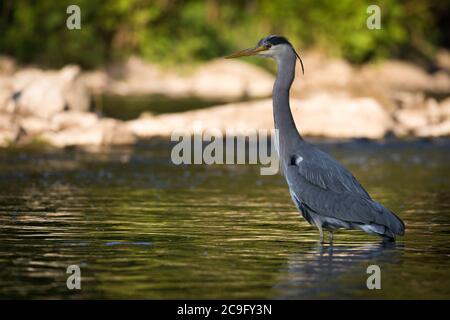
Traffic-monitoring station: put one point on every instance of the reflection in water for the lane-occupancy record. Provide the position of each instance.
(327, 268)
(140, 227)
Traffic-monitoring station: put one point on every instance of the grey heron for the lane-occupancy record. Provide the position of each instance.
(327, 195)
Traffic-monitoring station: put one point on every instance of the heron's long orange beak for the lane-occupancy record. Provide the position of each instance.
(247, 52)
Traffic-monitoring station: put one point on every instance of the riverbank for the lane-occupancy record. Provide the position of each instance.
(334, 99)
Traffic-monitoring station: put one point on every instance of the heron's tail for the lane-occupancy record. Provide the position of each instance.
(389, 228)
(396, 224)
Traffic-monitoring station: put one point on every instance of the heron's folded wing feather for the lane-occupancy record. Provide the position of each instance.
(330, 175)
(327, 196)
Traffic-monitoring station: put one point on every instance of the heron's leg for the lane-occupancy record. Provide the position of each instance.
(321, 232)
(331, 237)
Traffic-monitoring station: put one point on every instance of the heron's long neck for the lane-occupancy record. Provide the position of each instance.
(284, 121)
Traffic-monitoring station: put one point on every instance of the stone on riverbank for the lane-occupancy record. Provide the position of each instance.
(8, 130)
(320, 115)
(338, 100)
(86, 129)
(433, 120)
(218, 79)
(46, 93)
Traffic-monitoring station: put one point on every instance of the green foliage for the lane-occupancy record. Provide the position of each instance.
(176, 31)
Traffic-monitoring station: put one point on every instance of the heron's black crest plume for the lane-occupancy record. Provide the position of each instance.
(275, 40)
(301, 62)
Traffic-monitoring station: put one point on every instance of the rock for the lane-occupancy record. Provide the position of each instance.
(231, 79)
(137, 76)
(87, 130)
(6, 93)
(6, 137)
(40, 111)
(320, 115)
(429, 119)
(443, 59)
(75, 137)
(219, 79)
(45, 93)
(76, 95)
(397, 75)
(73, 119)
(341, 117)
(116, 132)
(95, 81)
(409, 120)
(445, 108)
(441, 82)
(32, 126)
(408, 100)
(322, 72)
(7, 65)
(149, 126)
(54, 105)
(9, 130)
(404, 76)
(436, 130)
(234, 116)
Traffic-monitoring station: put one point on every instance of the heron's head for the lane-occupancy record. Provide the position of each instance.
(272, 46)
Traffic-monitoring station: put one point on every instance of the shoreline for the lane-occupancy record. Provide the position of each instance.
(333, 100)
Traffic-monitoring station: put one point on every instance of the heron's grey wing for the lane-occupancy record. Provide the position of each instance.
(321, 169)
(334, 192)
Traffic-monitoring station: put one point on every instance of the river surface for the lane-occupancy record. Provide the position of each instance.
(140, 227)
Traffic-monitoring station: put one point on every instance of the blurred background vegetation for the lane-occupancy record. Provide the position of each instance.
(180, 31)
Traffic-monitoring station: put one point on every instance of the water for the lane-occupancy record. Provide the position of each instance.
(140, 227)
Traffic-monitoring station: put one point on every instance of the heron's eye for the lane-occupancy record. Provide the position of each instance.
(268, 45)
